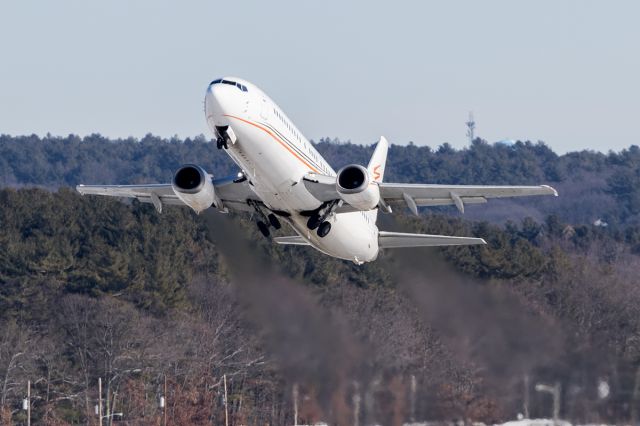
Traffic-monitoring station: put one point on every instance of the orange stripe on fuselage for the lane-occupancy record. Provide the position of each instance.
(277, 139)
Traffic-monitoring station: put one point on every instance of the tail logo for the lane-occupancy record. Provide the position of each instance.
(376, 172)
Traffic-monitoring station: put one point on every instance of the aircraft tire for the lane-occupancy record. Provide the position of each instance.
(264, 229)
(324, 229)
(273, 220)
(313, 222)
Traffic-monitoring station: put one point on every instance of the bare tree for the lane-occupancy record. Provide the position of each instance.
(16, 346)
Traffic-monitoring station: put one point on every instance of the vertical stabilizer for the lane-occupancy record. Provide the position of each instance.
(378, 160)
(376, 167)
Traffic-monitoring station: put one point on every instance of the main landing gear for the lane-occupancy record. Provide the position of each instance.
(264, 229)
(318, 220)
(265, 221)
(323, 229)
(273, 221)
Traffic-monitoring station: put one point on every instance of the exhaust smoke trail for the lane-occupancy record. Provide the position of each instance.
(309, 344)
(345, 334)
(484, 325)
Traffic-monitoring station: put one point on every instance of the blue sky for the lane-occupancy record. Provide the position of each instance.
(566, 72)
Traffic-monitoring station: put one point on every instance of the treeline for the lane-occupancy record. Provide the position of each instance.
(94, 288)
(593, 185)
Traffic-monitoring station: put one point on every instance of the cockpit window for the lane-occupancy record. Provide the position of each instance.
(231, 83)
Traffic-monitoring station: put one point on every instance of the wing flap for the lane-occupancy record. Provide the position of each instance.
(419, 195)
(131, 191)
(390, 191)
(400, 239)
(427, 202)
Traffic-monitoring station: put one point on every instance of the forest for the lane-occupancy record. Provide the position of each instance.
(94, 288)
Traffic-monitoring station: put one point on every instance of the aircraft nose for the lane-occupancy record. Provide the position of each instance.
(223, 99)
(214, 101)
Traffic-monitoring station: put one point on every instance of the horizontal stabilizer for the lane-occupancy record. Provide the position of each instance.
(294, 240)
(399, 239)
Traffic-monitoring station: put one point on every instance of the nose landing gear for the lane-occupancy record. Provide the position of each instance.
(225, 135)
(222, 143)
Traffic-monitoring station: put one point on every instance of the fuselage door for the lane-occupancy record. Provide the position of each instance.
(264, 109)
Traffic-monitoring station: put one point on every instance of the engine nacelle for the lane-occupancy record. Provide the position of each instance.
(192, 184)
(354, 186)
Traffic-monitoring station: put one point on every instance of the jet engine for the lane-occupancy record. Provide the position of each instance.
(192, 184)
(354, 186)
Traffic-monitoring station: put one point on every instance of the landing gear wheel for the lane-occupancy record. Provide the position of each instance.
(313, 222)
(264, 229)
(323, 229)
(222, 143)
(273, 220)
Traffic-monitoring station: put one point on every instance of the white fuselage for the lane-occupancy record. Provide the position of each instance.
(275, 156)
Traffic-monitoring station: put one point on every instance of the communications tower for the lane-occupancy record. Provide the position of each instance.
(471, 127)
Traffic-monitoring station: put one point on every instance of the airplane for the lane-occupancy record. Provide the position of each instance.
(284, 179)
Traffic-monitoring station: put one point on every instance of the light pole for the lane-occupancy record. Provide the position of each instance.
(226, 408)
(295, 404)
(555, 392)
(100, 401)
(26, 403)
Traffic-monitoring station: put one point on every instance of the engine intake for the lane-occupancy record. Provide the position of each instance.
(354, 186)
(192, 184)
(352, 179)
(189, 179)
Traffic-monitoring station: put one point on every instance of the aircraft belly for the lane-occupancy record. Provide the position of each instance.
(276, 175)
(274, 172)
(351, 237)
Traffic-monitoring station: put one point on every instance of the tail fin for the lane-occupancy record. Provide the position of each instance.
(378, 160)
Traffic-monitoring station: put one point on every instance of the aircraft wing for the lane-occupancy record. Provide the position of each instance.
(233, 194)
(422, 195)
